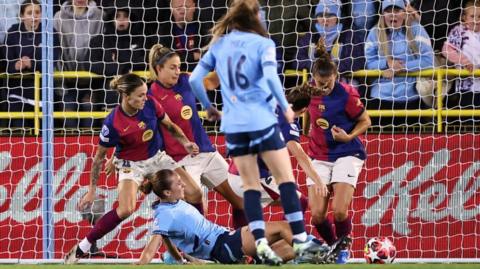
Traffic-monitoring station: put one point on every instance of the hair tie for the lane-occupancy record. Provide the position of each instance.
(164, 58)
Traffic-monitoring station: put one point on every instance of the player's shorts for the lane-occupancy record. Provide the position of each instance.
(136, 170)
(240, 144)
(209, 168)
(270, 191)
(228, 248)
(345, 169)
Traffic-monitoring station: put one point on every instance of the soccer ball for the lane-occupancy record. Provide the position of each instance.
(380, 250)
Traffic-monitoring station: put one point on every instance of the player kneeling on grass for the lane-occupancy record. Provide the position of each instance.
(181, 226)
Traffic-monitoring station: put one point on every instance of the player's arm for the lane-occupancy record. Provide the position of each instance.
(150, 249)
(304, 161)
(173, 250)
(363, 122)
(269, 68)
(94, 175)
(179, 135)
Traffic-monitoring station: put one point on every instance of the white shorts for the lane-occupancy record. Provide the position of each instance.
(345, 169)
(136, 171)
(270, 191)
(209, 168)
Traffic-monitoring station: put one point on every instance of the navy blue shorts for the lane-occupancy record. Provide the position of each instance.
(228, 248)
(239, 144)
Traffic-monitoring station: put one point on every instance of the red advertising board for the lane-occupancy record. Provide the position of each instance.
(422, 191)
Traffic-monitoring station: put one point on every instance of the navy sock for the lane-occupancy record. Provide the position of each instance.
(293, 210)
(254, 213)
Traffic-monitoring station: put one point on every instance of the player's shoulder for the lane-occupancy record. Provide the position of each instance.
(183, 80)
(110, 118)
(348, 89)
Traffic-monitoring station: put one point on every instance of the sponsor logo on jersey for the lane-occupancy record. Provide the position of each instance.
(322, 123)
(186, 113)
(147, 135)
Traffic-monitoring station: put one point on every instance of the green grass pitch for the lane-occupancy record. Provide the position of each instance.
(219, 266)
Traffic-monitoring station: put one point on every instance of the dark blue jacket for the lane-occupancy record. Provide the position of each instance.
(20, 42)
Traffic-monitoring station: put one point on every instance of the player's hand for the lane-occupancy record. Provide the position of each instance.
(211, 81)
(191, 148)
(469, 67)
(340, 135)
(289, 115)
(388, 73)
(213, 114)
(109, 167)
(321, 189)
(86, 200)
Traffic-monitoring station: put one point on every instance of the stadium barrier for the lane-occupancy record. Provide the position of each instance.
(419, 190)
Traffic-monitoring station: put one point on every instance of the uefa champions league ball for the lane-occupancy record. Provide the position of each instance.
(380, 250)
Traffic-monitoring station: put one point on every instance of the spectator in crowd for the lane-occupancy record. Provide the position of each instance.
(461, 49)
(285, 19)
(343, 45)
(146, 16)
(361, 15)
(437, 17)
(77, 22)
(117, 51)
(183, 34)
(9, 10)
(24, 55)
(396, 45)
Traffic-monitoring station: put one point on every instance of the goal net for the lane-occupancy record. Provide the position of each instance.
(420, 184)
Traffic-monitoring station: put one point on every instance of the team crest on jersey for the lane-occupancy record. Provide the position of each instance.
(104, 134)
(322, 123)
(321, 108)
(126, 170)
(141, 125)
(178, 97)
(186, 112)
(147, 135)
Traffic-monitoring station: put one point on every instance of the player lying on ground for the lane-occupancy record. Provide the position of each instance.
(180, 225)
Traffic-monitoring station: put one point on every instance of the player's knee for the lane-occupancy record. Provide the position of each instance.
(318, 216)
(125, 211)
(340, 212)
(194, 196)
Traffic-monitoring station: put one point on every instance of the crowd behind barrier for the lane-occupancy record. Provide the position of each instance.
(380, 46)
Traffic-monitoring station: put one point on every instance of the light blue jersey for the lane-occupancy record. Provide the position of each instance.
(189, 230)
(246, 65)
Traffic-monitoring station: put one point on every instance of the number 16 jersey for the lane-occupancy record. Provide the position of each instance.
(239, 58)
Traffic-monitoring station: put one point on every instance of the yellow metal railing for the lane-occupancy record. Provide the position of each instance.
(438, 74)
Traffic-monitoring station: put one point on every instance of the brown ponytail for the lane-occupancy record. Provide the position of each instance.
(323, 66)
(127, 83)
(158, 183)
(158, 55)
(299, 97)
(243, 16)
